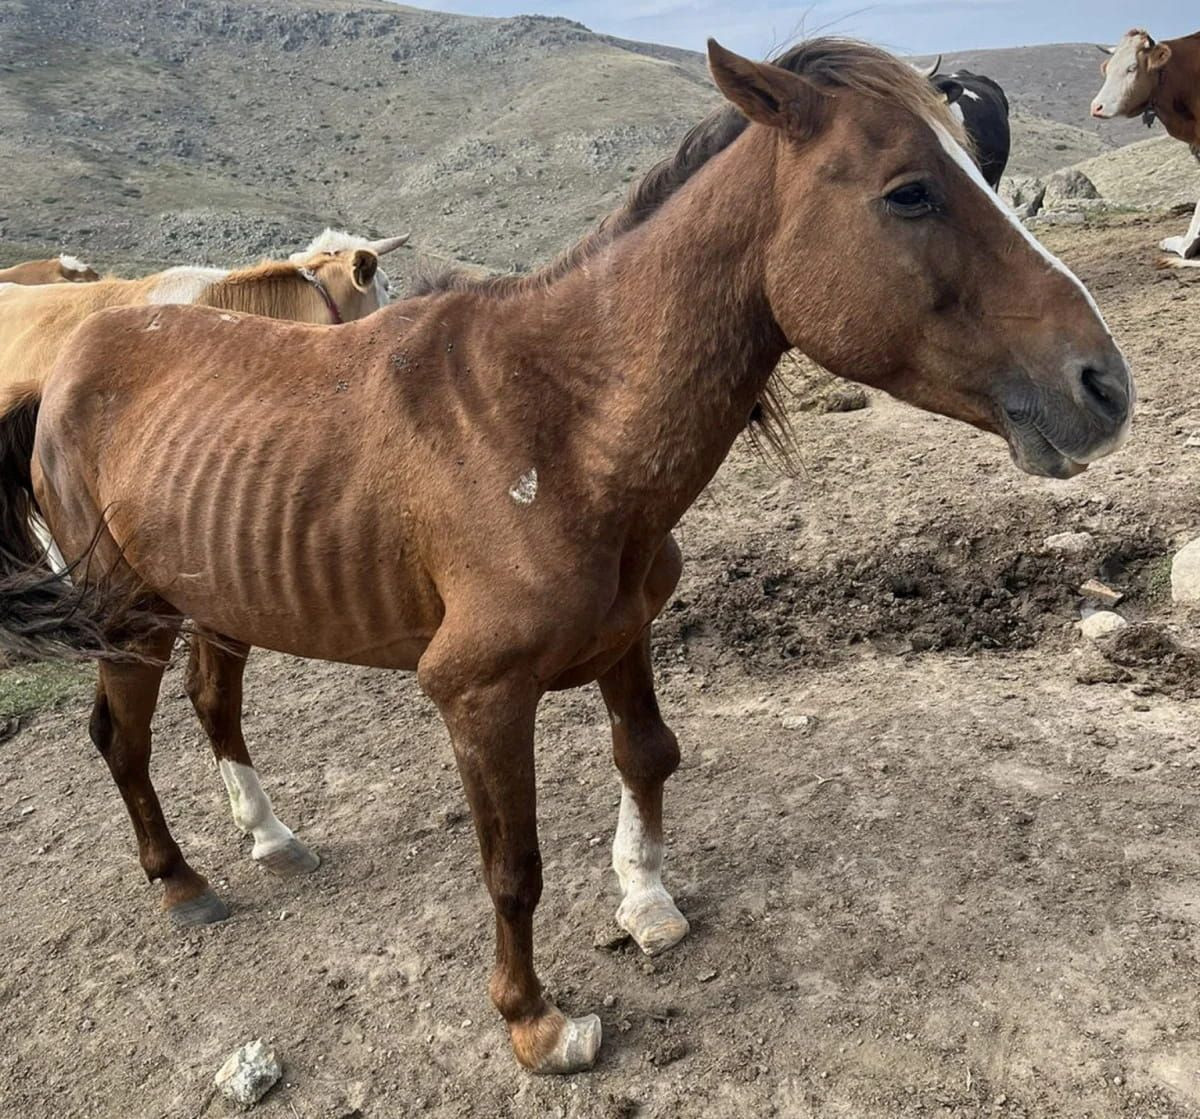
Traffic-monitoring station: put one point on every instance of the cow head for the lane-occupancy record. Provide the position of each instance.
(1131, 74)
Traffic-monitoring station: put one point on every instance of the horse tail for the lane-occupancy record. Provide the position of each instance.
(19, 547)
(44, 615)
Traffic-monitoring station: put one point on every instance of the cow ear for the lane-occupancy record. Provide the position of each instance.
(1158, 57)
(366, 264)
(949, 89)
(767, 94)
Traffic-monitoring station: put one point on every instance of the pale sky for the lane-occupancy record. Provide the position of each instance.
(757, 27)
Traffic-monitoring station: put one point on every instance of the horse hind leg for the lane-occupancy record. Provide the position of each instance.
(126, 696)
(646, 753)
(214, 685)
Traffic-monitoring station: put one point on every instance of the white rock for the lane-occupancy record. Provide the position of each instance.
(1072, 543)
(1101, 622)
(1185, 573)
(249, 1074)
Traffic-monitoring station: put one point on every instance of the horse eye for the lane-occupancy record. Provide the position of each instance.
(911, 201)
(1132, 69)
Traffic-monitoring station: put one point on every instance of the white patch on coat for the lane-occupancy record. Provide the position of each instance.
(956, 109)
(525, 489)
(230, 318)
(184, 284)
(72, 263)
(970, 93)
(252, 811)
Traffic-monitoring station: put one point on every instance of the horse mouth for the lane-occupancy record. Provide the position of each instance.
(1035, 454)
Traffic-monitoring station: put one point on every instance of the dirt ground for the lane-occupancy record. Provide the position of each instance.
(967, 883)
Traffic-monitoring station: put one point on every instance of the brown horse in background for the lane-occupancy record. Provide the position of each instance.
(480, 483)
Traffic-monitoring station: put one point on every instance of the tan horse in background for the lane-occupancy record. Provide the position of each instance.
(336, 279)
(62, 269)
(480, 483)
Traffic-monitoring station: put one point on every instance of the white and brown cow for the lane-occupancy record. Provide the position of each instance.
(1159, 79)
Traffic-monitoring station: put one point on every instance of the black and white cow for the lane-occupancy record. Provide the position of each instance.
(982, 107)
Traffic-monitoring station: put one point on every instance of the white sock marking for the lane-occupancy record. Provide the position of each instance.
(251, 809)
(636, 857)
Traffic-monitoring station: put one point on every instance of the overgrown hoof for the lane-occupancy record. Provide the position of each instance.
(653, 921)
(203, 909)
(556, 1045)
(290, 860)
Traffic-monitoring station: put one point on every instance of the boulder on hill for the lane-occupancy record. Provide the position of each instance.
(1023, 193)
(1070, 189)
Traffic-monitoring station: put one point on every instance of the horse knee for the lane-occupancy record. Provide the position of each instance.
(648, 753)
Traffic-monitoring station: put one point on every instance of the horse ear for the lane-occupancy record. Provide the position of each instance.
(1106, 50)
(366, 264)
(767, 94)
(1159, 56)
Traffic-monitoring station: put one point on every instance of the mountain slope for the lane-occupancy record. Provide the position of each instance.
(168, 130)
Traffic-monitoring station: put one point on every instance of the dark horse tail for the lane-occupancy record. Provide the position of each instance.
(45, 615)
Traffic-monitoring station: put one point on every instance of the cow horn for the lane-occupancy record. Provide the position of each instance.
(929, 71)
(1106, 50)
(388, 244)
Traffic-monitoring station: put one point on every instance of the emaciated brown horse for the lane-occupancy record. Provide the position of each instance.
(480, 483)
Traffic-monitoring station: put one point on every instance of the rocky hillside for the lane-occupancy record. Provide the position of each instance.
(146, 131)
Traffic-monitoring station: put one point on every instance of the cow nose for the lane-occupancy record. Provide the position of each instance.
(1097, 110)
(1106, 393)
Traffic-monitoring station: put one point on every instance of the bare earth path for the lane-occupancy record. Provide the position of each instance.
(967, 883)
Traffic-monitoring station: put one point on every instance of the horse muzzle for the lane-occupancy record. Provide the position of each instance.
(1057, 432)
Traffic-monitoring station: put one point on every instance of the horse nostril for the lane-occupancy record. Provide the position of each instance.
(1105, 393)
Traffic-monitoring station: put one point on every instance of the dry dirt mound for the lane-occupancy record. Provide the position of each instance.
(948, 584)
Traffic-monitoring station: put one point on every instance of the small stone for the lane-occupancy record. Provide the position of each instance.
(1185, 573)
(1100, 622)
(707, 976)
(249, 1074)
(27, 810)
(1069, 543)
(1094, 589)
(610, 1000)
(798, 722)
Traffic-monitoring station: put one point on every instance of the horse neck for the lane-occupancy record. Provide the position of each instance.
(678, 334)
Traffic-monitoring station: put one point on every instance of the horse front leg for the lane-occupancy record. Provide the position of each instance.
(646, 753)
(491, 728)
(1187, 246)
